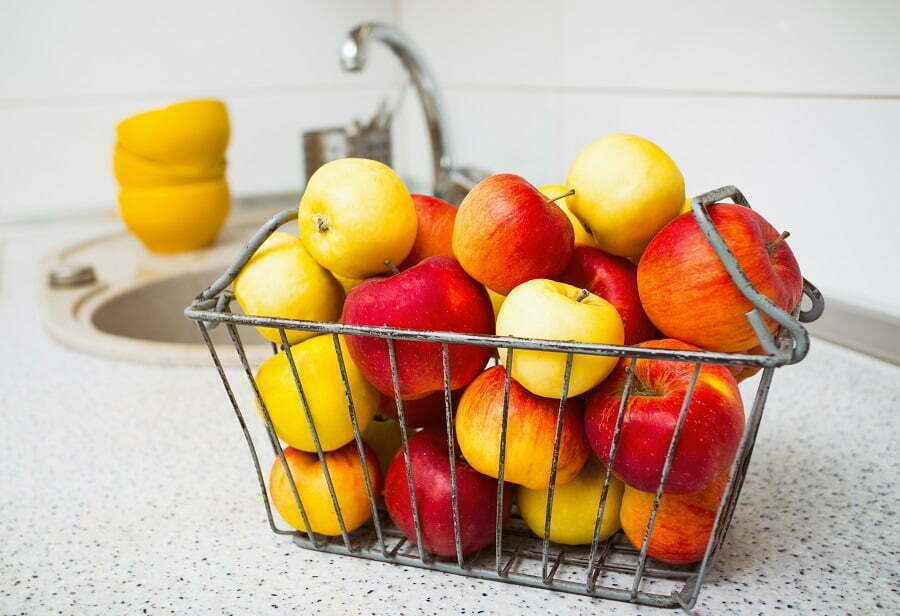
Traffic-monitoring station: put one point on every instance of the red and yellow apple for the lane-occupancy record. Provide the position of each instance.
(319, 371)
(507, 232)
(574, 507)
(530, 432)
(556, 311)
(615, 280)
(683, 522)
(710, 434)
(687, 292)
(434, 237)
(430, 466)
(347, 475)
(435, 294)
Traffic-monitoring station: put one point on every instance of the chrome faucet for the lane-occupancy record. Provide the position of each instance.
(448, 182)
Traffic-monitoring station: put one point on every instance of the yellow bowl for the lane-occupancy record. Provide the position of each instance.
(192, 132)
(133, 171)
(176, 218)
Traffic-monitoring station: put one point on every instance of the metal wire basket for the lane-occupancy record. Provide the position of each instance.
(610, 569)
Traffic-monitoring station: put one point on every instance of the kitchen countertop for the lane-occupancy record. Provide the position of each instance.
(127, 488)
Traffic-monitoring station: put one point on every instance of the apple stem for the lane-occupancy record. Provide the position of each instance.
(321, 223)
(563, 196)
(784, 235)
(582, 295)
(391, 266)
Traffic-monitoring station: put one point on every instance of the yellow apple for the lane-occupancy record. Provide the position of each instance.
(354, 215)
(283, 280)
(347, 477)
(582, 235)
(320, 376)
(626, 189)
(687, 206)
(543, 308)
(574, 507)
(496, 300)
(383, 435)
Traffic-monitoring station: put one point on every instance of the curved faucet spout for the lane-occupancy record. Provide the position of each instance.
(353, 58)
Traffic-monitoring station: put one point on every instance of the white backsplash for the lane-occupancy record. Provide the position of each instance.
(797, 103)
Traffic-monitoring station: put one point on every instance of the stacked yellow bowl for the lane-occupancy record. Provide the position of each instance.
(170, 164)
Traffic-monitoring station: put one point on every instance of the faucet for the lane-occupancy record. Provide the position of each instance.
(448, 183)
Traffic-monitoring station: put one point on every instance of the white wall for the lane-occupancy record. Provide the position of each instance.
(797, 103)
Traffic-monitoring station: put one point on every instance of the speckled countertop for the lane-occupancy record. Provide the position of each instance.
(127, 489)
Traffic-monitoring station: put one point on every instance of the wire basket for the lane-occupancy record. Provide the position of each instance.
(610, 569)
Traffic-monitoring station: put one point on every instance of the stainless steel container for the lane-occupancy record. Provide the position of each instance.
(327, 144)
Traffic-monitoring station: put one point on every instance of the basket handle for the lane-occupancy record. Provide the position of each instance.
(761, 303)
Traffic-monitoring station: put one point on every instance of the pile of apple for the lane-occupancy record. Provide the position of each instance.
(554, 263)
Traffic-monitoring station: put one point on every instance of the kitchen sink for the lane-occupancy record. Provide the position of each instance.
(109, 296)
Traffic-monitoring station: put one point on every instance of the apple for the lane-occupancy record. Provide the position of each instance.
(434, 237)
(683, 522)
(421, 412)
(626, 189)
(283, 280)
(557, 193)
(383, 436)
(496, 301)
(507, 232)
(319, 371)
(615, 280)
(476, 497)
(574, 507)
(435, 294)
(742, 373)
(347, 476)
(530, 432)
(687, 292)
(356, 218)
(556, 311)
(709, 436)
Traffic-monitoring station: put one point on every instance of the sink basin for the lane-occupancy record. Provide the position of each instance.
(134, 307)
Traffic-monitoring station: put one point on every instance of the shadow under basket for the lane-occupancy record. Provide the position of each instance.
(610, 569)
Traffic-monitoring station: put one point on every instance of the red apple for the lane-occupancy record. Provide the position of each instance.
(615, 280)
(476, 497)
(434, 237)
(435, 294)
(709, 437)
(530, 432)
(687, 293)
(507, 232)
(422, 412)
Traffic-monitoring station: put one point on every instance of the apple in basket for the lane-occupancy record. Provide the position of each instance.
(346, 471)
(530, 432)
(689, 295)
(476, 496)
(435, 294)
(683, 521)
(507, 232)
(710, 434)
(434, 237)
